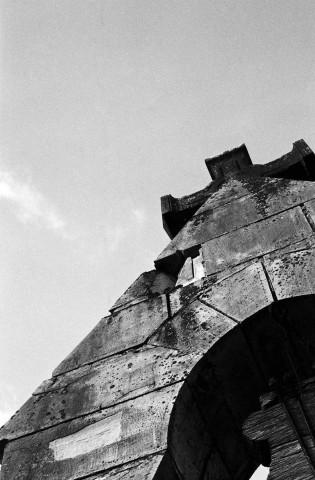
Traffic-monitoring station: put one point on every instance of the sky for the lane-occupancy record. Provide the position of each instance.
(105, 107)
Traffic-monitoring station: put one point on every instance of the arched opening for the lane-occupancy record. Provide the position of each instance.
(205, 439)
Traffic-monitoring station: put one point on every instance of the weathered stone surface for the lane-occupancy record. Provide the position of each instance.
(256, 240)
(231, 189)
(147, 285)
(196, 328)
(242, 294)
(93, 443)
(265, 197)
(100, 385)
(143, 469)
(292, 274)
(305, 244)
(230, 161)
(118, 332)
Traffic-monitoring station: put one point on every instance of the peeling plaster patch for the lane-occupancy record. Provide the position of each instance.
(104, 432)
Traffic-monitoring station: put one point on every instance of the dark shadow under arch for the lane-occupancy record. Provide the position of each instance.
(205, 439)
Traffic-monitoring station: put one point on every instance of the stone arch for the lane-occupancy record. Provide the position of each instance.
(205, 439)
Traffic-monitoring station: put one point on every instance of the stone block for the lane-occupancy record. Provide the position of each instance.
(242, 294)
(195, 329)
(93, 443)
(292, 273)
(256, 240)
(98, 386)
(118, 332)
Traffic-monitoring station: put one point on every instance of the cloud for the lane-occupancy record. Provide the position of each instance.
(30, 206)
(116, 233)
(139, 215)
(114, 236)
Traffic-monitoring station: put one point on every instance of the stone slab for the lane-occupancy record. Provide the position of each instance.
(118, 332)
(98, 386)
(256, 240)
(242, 294)
(195, 329)
(292, 274)
(94, 443)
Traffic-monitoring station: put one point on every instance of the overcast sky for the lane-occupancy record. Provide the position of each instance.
(106, 106)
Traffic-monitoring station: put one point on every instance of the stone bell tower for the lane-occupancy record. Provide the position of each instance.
(204, 368)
